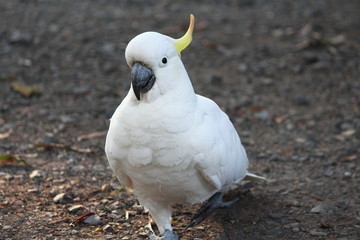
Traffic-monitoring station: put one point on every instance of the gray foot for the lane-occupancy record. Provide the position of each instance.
(168, 235)
(210, 206)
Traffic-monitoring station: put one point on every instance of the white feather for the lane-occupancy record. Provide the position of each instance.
(172, 146)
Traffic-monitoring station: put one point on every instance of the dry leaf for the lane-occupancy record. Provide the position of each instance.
(25, 90)
(288, 149)
(348, 133)
(350, 158)
(7, 158)
(6, 135)
(305, 30)
(338, 39)
(280, 119)
(256, 109)
(91, 135)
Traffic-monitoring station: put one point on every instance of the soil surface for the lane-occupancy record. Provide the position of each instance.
(286, 72)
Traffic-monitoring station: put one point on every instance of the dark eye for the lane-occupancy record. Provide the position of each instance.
(164, 60)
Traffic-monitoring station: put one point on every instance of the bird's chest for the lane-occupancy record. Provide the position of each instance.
(153, 141)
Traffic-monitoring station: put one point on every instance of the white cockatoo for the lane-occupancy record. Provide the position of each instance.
(168, 144)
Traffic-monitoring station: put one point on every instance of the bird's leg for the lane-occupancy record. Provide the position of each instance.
(161, 214)
(210, 206)
(168, 234)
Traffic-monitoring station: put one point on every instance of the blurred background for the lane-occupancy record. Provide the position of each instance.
(286, 72)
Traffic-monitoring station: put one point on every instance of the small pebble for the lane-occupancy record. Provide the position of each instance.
(7, 227)
(347, 174)
(75, 208)
(274, 231)
(318, 234)
(49, 237)
(262, 115)
(93, 220)
(33, 190)
(276, 215)
(115, 205)
(107, 48)
(329, 172)
(343, 205)
(105, 188)
(301, 100)
(66, 119)
(110, 237)
(320, 208)
(62, 198)
(108, 228)
(267, 81)
(9, 177)
(53, 192)
(18, 37)
(346, 126)
(37, 174)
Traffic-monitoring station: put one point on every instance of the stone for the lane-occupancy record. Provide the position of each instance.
(105, 188)
(37, 174)
(8, 177)
(7, 227)
(276, 215)
(329, 172)
(267, 81)
(53, 192)
(33, 190)
(108, 228)
(18, 37)
(274, 231)
(115, 205)
(108, 48)
(320, 208)
(317, 234)
(262, 115)
(347, 174)
(62, 198)
(343, 205)
(346, 126)
(66, 119)
(75, 208)
(93, 220)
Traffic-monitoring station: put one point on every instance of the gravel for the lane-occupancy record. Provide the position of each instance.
(286, 74)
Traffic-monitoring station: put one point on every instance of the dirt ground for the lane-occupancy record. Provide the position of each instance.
(287, 73)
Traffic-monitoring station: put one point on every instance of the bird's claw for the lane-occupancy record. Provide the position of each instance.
(168, 235)
(211, 205)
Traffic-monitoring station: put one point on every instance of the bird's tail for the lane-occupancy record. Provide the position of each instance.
(254, 178)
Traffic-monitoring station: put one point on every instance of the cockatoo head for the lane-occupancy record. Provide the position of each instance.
(155, 62)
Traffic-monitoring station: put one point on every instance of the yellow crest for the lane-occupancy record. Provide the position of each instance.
(185, 40)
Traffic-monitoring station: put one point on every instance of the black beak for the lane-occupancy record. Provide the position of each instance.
(143, 79)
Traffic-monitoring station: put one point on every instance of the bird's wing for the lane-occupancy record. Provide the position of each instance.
(220, 157)
(116, 141)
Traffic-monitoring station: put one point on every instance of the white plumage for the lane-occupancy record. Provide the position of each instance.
(171, 145)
